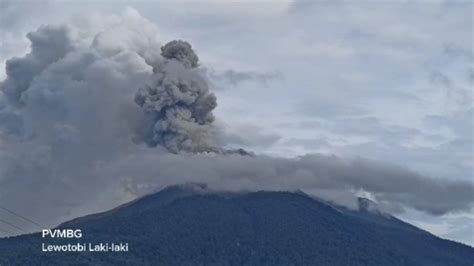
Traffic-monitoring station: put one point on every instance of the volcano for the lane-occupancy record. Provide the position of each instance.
(192, 225)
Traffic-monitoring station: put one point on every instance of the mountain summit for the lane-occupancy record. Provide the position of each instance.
(193, 225)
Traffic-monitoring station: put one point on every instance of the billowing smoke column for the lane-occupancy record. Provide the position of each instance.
(178, 103)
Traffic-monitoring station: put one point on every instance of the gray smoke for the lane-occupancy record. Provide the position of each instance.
(48, 44)
(76, 110)
(394, 187)
(180, 51)
(178, 103)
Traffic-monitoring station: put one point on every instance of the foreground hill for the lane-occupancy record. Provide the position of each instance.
(188, 225)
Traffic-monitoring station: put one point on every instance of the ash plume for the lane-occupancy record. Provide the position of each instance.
(178, 103)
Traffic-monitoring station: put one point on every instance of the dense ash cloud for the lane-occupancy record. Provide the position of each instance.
(48, 44)
(180, 51)
(66, 108)
(178, 103)
(101, 112)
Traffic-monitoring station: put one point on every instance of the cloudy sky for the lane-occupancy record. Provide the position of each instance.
(388, 81)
